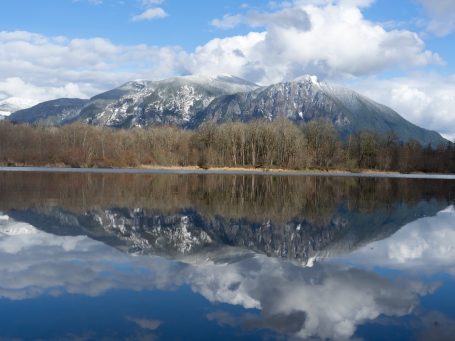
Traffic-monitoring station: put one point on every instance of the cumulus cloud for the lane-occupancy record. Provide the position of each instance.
(150, 14)
(326, 38)
(35, 263)
(35, 68)
(425, 245)
(301, 301)
(442, 14)
(32, 94)
(427, 100)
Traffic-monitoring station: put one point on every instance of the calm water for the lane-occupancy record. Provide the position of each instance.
(218, 257)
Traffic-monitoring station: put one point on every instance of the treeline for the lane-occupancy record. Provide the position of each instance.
(257, 198)
(259, 144)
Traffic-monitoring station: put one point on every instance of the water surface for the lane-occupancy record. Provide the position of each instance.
(180, 256)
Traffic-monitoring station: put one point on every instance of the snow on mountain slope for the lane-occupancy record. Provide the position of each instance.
(308, 99)
(188, 233)
(189, 101)
(170, 101)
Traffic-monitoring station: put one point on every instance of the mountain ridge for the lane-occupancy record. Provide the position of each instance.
(188, 233)
(190, 101)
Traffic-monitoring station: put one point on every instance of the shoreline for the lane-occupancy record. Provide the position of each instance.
(225, 171)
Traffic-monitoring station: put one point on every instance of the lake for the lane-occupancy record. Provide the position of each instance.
(92, 256)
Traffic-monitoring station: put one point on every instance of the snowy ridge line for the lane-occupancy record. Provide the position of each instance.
(190, 101)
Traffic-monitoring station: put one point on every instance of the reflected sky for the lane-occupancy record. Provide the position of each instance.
(84, 284)
(328, 300)
(426, 245)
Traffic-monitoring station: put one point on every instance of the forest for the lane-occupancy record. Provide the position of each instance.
(260, 144)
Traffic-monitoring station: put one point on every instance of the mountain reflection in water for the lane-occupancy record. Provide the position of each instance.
(292, 257)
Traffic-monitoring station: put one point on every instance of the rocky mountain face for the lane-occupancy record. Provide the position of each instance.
(189, 234)
(308, 99)
(189, 101)
(173, 101)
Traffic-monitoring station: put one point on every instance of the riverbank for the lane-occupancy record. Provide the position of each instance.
(228, 171)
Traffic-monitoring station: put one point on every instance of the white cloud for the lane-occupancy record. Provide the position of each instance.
(228, 21)
(442, 14)
(146, 323)
(426, 100)
(36, 263)
(35, 68)
(425, 245)
(12, 104)
(280, 289)
(31, 94)
(327, 38)
(288, 18)
(150, 14)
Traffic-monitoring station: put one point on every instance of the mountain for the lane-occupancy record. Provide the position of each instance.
(54, 112)
(190, 101)
(190, 234)
(308, 99)
(172, 101)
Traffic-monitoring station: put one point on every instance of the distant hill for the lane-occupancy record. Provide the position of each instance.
(189, 101)
(56, 112)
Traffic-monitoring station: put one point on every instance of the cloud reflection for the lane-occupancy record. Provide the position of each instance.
(426, 245)
(325, 301)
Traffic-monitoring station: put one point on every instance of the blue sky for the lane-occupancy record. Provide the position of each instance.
(400, 53)
(187, 24)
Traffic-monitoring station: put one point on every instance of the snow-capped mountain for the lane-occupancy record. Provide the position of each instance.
(190, 101)
(307, 99)
(171, 101)
(188, 234)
